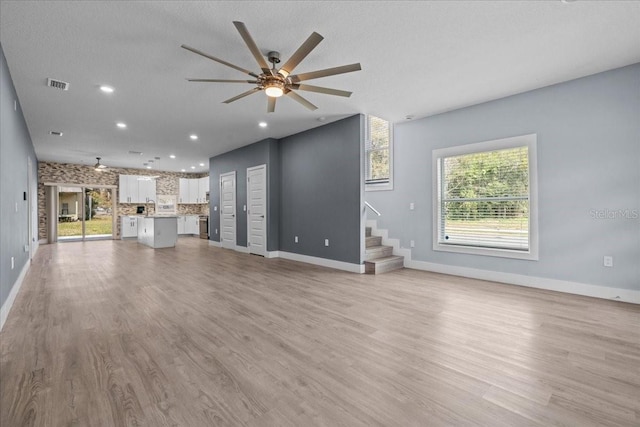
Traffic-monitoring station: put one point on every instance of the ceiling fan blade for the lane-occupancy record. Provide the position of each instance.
(222, 81)
(291, 94)
(242, 29)
(242, 95)
(302, 52)
(228, 64)
(325, 73)
(319, 89)
(271, 104)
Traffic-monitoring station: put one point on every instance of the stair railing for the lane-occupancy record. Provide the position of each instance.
(372, 208)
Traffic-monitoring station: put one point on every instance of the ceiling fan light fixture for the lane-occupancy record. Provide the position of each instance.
(274, 91)
(98, 167)
(274, 88)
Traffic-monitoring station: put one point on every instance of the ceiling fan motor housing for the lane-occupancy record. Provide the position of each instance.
(274, 57)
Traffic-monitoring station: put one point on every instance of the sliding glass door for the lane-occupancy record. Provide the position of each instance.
(84, 213)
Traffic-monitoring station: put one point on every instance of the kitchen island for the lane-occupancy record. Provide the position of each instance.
(158, 231)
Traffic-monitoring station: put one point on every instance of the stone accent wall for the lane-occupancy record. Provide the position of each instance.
(167, 183)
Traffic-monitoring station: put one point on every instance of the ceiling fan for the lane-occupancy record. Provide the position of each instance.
(99, 167)
(274, 82)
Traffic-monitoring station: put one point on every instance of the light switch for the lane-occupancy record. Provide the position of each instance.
(326, 242)
(215, 208)
(244, 208)
(411, 206)
(412, 243)
(608, 261)
(295, 239)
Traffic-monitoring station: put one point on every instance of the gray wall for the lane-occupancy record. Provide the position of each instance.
(320, 191)
(15, 149)
(588, 159)
(263, 152)
(314, 191)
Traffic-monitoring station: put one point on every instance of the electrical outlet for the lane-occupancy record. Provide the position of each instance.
(295, 239)
(216, 231)
(244, 208)
(26, 248)
(608, 261)
(13, 263)
(326, 242)
(412, 244)
(412, 206)
(215, 208)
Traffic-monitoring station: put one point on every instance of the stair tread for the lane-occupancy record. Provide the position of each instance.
(385, 259)
(377, 248)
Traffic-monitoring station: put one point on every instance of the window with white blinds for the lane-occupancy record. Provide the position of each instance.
(378, 154)
(485, 200)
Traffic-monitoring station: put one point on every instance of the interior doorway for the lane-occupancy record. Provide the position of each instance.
(257, 210)
(228, 210)
(84, 213)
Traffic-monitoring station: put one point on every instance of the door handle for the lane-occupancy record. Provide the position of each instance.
(233, 215)
(262, 216)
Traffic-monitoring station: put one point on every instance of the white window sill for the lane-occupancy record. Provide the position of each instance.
(378, 187)
(530, 255)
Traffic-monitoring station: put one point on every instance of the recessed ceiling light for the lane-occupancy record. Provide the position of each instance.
(148, 167)
(182, 170)
(322, 119)
(106, 89)
(193, 167)
(201, 164)
(121, 125)
(262, 124)
(193, 136)
(172, 156)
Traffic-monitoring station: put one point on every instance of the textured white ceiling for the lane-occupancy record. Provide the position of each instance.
(418, 58)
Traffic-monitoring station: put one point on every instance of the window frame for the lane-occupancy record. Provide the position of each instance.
(529, 141)
(377, 185)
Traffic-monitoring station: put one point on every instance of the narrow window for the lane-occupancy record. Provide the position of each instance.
(378, 154)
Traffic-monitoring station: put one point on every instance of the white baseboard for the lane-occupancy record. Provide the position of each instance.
(338, 265)
(214, 243)
(242, 249)
(8, 303)
(42, 241)
(617, 294)
(272, 254)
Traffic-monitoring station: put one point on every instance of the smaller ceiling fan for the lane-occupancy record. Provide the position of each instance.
(274, 82)
(99, 167)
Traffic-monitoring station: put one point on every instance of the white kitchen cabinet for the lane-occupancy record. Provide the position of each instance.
(133, 189)
(193, 190)
(192, 226)
(128, 226)
(194, 197)
(146, 190)
(203, 188)
(183, 195)
(181, 221)
(188, 224)
(128, 189)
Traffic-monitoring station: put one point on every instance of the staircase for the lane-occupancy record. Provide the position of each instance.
(378, 258)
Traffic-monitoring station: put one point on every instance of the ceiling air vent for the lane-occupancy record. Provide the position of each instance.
(135, 152)
(58, 84)
(55, 132)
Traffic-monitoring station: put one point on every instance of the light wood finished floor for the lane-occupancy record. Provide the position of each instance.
(113, 333)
